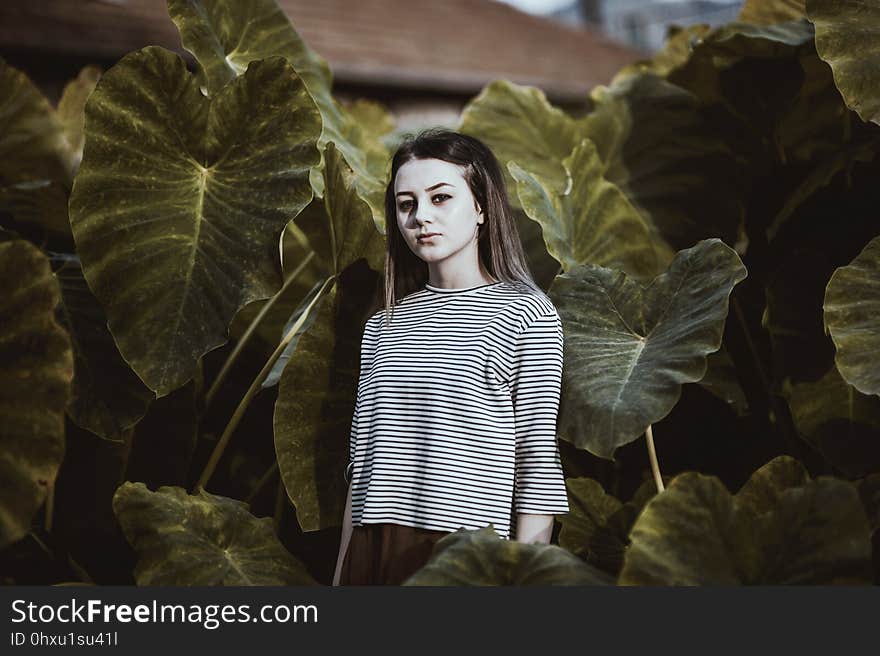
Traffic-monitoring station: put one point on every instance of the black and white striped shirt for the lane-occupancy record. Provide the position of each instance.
(457, 402)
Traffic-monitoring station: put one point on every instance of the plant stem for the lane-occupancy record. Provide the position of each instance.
(265, 478)
(251, 329)
(652, 455)
(753, 350)
(42, 544)
(254, 388)
(280, 498)
(778, 408)
(50, 506)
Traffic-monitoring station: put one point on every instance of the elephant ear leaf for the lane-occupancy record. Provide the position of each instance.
(340, 228)
(519, 124)
(590, 220)
(202, 539)
(838, 421)
(697, 533)
(629, 347)
(35, 163)
(180, 202)
(591, 509)
(227, 35)
(597, 528)
(769, 12)
(762, 491)
(35, 373)
(659, 146)
(846, 38)
(316, 400)
(107, 397)
(852, 318)
(71, 108)
(480, 557)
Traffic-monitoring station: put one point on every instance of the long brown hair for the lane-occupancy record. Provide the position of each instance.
(499, 247)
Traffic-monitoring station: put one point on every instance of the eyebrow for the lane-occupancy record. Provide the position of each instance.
(431, 188)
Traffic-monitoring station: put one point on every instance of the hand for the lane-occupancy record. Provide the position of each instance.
(337, 575)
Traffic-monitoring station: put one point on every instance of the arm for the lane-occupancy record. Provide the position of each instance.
(533, 528)
(346, 537)
(536, 384)
(352, 447)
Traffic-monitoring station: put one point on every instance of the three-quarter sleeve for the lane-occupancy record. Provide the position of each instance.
(535, 386)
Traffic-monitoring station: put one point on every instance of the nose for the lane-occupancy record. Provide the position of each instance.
(421, 216)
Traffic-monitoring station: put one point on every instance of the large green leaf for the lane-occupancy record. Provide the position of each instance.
(846, 38)
(721, 380)
(180, 202)
(852, 318)
(591, 507)
(840, 161)
(340, 228)
(295, 249)
(480, 557)
(814, 123)
(838, 421)
(519, 124)
(818, 534)
(36, 367)
(666, 153)
(697, 533)
(755, 73)
(589, 220)
(32, 141)
(107, 397)
(691, 534)
(774, 102)
(71, 108)
(680, 41)
(781, 99)
(203, 539)
(765, 486)
(40, 151)
(629, 348)
(372, 116)
(316, 398)
(226, 35)
(36, 168)
(768, 12)
(305, 303)
(341, 231)
(598, 526)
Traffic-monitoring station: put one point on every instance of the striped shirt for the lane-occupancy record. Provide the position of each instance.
(457, 402)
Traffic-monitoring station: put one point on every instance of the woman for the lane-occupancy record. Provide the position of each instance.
(455, 421)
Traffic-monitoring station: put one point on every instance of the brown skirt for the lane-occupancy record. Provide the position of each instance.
(386, 554)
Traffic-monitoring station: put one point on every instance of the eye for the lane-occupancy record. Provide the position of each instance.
(405, 206)
(444, 196)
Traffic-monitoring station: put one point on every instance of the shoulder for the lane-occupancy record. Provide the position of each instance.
(530, 304)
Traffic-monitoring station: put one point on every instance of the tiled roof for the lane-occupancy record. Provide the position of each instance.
(447, 45)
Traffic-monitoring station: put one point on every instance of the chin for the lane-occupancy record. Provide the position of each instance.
(432, 257)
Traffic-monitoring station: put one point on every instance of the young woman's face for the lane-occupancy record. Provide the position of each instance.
(432, 196)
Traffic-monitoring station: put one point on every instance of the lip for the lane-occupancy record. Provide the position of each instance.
(428, 235)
